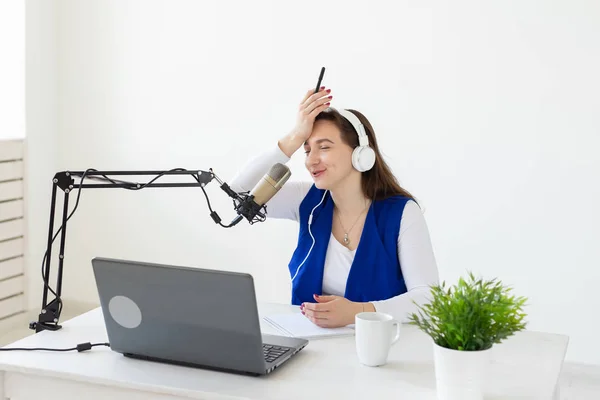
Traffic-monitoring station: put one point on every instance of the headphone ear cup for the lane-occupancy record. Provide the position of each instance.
(363, 158)
(356, 158)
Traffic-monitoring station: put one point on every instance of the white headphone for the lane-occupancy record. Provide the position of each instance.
(363, 156)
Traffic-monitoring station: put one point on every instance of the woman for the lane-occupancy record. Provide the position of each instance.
(363, 243)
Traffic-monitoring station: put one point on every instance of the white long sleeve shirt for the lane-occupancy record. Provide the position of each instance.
(415, 251)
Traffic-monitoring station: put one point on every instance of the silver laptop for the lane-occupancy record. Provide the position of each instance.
(187, 316)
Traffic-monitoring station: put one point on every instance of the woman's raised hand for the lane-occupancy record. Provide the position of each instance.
(308, 109)
(311, 105)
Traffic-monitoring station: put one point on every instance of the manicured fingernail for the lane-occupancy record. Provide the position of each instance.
(328, 90)
(327, 104)
(330, 97)
(303, 313)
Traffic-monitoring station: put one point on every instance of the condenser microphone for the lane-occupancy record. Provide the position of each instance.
(250, 206)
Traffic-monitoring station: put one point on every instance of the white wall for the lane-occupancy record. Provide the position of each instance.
(41, 97)
(487, 112)
(12, 70)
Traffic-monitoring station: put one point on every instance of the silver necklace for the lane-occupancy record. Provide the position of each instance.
(346, 239)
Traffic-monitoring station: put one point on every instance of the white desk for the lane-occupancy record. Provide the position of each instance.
(526, 366)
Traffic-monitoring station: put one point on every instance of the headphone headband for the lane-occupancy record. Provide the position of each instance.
(363, 140)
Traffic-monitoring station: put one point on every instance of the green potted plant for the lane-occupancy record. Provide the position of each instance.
(465, 321)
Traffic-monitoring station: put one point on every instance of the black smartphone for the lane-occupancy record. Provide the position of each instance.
(320, 79)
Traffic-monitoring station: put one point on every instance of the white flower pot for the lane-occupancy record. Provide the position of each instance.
(460, 375)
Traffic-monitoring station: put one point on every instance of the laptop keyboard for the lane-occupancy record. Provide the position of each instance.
(272, 353)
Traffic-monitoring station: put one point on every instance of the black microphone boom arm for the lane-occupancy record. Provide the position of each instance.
(64, 180)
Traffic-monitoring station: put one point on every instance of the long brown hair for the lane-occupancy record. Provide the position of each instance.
(379, 182)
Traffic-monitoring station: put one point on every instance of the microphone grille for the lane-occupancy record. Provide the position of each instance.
(278, 171)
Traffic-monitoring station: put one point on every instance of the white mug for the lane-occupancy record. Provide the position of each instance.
(375, 333)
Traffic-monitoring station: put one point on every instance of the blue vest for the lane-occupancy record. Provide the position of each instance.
(375, 273)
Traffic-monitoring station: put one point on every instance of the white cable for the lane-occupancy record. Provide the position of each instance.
(310, 233)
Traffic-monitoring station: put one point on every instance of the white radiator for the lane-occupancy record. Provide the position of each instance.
(12, 229)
